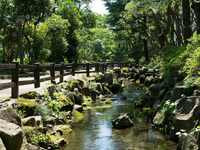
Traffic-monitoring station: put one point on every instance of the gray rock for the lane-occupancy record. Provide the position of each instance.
(2, 147)
(49, 120)
(61, 142)
(38, 121)
(181, 141)
(11, 135)
(93, 94)
(108, 78)
(78, 108)
(123, 121)
(75, 98)
(29, 121)
(117, 71)
(86, 91)
(154, 92)
(187, 111)
(192, 141)
(99, 88)
(10, 115)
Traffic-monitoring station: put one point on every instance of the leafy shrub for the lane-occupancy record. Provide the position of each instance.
(192, 64)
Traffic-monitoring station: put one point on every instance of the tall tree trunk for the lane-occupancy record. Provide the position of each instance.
(187, 30)
(146, 52)
(178, 27)
(196, 7)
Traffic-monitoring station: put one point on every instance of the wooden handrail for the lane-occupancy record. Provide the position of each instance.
(15, 67)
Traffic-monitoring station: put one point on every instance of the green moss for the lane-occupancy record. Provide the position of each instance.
(107, 91)
(64, 128)
(125, 69)
(64, 100)
(87, 101)
(122, 89)
(97, 107)
(108, 102)
(26, 102)
(58, 137)
(77, 116)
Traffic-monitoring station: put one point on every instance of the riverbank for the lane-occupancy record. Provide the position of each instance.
(44, 115)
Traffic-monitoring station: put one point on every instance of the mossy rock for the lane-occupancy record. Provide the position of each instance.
(26, 106)
(108, 102)
(97, 107)
(87, 101)
(64, 100)
(77, 116)
(26, 102)
(63, 129)
(125, 69)
(107, 91)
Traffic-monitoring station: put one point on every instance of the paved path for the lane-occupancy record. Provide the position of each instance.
(23, 88)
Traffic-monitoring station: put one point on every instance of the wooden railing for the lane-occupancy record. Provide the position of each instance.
(72, 68)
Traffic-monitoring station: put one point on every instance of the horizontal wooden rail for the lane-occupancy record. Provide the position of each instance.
(7, 85)
(62, 67)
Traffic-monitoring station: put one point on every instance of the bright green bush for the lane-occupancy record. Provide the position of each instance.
(173, 60)
(192, 65)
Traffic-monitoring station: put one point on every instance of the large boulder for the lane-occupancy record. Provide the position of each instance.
(100, 79)
(71, 78)
(10, 115)
(123, 121)
(186, 113)
(26, 106)
(191, 141)
(179, 90)
(83, 78)
(117, 71)
(154, 93)
(65, 102)
(116, 87)
(11, 135)
(108, 78)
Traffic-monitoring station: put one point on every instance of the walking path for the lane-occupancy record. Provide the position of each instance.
(24, 88)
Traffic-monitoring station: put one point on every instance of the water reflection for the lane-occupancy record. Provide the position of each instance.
(96, 132)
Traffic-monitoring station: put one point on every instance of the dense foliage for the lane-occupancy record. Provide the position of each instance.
(164, 33)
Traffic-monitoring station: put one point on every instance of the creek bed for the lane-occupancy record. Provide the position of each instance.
(95, 131)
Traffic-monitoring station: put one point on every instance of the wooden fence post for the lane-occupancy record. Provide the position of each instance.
(105, 67)
(97, 67)
(73, 69)
(120, 64)
(61, 71)
(112, 65)
(52, 72)
(37, 75)
(15, 79)
(87, 69)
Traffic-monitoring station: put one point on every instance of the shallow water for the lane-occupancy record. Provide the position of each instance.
(95, 132)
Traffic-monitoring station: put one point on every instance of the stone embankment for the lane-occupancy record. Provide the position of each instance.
(176, 107)
(41, 118)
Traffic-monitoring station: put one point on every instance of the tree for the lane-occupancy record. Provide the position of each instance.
(196, 8)
(187, 31)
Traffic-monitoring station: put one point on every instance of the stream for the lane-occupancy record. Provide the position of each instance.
(95, 131)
